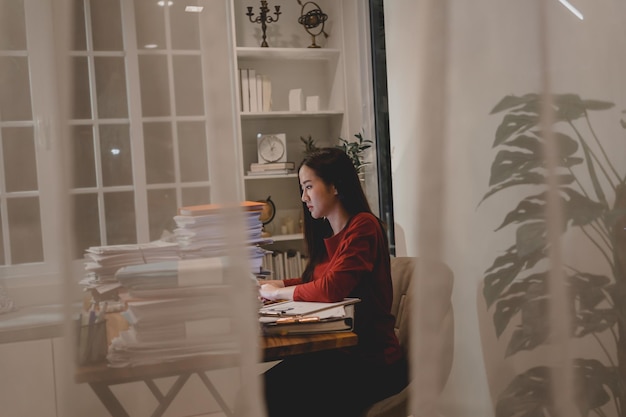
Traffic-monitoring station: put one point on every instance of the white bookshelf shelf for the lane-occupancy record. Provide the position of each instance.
(296, 54)
(269, 177)
(290, 114)
(283, 238)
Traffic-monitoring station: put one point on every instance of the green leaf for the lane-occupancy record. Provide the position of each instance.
(529, 394)
(508, 164)
(510, 102)
(530, 208)
(530, 237)
(534, 329)
(514, 123)
(512, 300)
(597, 105)
(581, 210)
(527, 178)
(504, 270)
(593, 176)
(568, 107)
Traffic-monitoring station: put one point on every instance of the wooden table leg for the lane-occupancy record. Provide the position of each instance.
(165, 401)
(209, 385)
(108, 399)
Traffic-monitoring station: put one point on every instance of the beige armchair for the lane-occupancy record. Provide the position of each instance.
(440, 280)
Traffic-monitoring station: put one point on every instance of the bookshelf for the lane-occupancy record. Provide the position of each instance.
(289, 64)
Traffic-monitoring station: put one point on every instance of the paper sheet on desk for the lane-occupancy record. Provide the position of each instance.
(339, 311)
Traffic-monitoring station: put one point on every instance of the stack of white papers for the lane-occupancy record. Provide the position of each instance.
(104, 261)
(201, 236)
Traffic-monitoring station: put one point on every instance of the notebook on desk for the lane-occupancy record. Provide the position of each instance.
(302, 317)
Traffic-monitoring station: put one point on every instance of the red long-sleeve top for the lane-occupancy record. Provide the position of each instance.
(357, 265)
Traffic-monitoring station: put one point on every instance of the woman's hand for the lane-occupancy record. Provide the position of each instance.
(275, 282)
(274, 293)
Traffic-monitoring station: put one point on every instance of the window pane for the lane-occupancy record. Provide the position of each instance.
(14, 89)
(106, 22)
(87, 225)
(155, 97)
(78, 29)
(116, 155)
(111, 87)
(185, 33)
(119, 209)
(81, 104)
(192, 150)
(162, 208)
(188, 85)
(196, 195)
(25, 230)
(20, 162)
(84, 158)
(159, 153)
(150, 21)
(12, 29)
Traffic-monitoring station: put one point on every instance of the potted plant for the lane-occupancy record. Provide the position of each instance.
(309, 144)
(593, 196)
(355, 150)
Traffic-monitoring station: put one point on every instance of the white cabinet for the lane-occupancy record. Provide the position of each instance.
(317, 72)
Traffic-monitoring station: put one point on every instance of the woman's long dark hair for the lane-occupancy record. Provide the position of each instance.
(333, 167)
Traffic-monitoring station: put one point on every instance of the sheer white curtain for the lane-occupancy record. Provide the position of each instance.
(449, 64)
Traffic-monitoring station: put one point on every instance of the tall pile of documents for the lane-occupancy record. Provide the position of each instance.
(102, 262)
(182, 307)
(175, 309)
(202, 230)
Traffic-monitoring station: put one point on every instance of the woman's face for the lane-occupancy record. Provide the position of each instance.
(320, 199)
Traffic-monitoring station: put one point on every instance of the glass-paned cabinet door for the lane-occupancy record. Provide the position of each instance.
(21, 240)
(138, 104)
(172, 110)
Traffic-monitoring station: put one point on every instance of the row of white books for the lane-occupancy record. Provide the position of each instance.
(284, 264)
(255, 90)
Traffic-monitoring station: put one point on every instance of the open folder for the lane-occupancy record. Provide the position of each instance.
(303, 317)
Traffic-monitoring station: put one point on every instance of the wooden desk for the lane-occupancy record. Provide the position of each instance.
(101, 377)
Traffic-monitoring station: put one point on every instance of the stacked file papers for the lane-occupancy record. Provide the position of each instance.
(175, 309)
(203, 230)
(104, 261)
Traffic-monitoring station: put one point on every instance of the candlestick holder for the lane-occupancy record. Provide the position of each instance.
(264, 19)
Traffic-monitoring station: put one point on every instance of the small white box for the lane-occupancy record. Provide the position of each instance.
(312, 103)
(296, 100)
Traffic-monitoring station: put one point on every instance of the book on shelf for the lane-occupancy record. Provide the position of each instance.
(267, 93)
(244, 84)
(253, 91)
(259, 92)
(255, 166)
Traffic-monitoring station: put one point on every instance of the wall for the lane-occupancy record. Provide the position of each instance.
(492, 50)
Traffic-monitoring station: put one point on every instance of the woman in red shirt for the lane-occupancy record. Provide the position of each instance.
(348, 257)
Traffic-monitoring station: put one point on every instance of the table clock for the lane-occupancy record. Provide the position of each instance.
(271, 148)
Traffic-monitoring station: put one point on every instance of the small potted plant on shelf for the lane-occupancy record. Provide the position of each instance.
(355, 150)
(309, 145)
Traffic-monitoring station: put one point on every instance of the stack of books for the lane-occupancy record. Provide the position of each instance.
(272, 168)
(174, 310)
(255, 90)
(284, 264)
